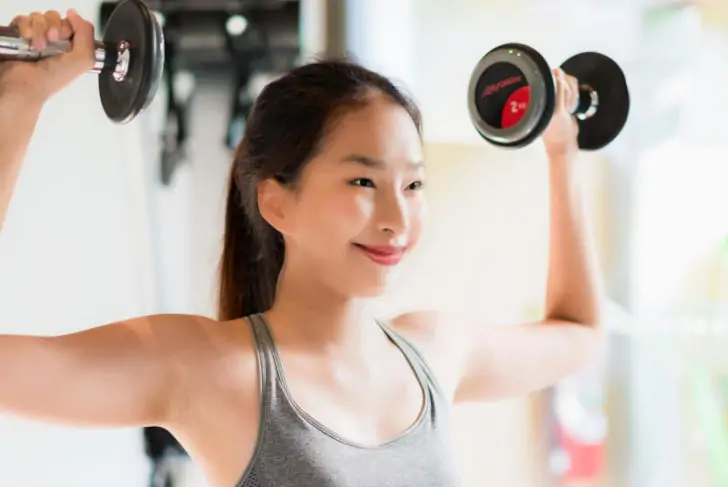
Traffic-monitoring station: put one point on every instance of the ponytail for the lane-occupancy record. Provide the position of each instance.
(252, 256)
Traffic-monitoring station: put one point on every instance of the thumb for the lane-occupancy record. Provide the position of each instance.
(562, 94)
(84, 41)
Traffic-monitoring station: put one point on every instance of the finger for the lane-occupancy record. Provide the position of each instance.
(573, 91)
(22, 24)
(573, 83)
(54, 23)
(561, 90)
(38, 24)
(83, 39)
(66, 30)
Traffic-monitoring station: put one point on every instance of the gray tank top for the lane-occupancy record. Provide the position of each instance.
(294, 450)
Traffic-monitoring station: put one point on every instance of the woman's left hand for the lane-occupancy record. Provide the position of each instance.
(560, 137)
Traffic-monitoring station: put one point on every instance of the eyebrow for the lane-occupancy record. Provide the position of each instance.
(376, 163)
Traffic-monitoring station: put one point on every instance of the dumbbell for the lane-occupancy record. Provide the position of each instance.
(129, 60)
(512, 97)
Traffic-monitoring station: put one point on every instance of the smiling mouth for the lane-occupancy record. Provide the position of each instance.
(385, 255)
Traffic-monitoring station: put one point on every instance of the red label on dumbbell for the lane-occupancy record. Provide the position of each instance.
(515, 107)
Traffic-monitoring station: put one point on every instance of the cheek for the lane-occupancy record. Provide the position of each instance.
(335, 218)
(356, 209)
(419, 213)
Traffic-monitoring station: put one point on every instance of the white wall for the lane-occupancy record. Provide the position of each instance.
(60, 277)
(192, 210)
(74, 254)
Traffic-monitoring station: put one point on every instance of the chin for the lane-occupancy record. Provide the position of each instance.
(370, 288)
(372, 292)
(365, 281)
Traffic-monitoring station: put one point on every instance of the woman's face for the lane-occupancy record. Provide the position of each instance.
(359, 209)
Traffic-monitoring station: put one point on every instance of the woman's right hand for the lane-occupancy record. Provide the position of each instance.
(44, 78)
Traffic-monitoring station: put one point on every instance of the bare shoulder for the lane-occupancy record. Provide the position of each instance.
(436, 335)
(429, 329)
(204, 348)
(218, 406)
(205, 358)
(182, 337)
(196, 330)
(419, 327)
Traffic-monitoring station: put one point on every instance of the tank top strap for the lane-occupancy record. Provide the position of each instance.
(263, 338)
(267, 364)
(273, 393)
(416, 357)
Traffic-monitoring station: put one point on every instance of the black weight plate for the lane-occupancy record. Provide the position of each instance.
(135, 24)
(158, 62)
(501, 74)
(608, 80)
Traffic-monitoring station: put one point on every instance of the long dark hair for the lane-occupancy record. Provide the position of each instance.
(283, 131)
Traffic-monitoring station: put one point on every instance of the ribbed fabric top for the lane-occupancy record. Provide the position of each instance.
(295, 450)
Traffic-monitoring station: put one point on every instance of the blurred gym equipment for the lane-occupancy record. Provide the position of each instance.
(245, 40)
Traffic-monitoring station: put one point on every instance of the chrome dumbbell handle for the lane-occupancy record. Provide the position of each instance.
(15, 48)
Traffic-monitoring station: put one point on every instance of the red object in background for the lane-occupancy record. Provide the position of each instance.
(586, 461)
(579, 426)
(515, 107)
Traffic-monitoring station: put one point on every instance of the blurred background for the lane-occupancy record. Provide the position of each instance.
(110, 222)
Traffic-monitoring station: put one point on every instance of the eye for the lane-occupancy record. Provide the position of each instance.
(363, 182)
(415, 186)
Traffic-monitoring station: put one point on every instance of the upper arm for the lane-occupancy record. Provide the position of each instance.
(510, 360)
(486, 362)
(117, 375)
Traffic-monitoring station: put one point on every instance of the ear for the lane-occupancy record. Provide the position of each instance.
(274, 203)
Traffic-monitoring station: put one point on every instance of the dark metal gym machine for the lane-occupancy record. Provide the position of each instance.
(244, 39)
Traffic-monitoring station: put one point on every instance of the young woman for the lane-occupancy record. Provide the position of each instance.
(297, 383)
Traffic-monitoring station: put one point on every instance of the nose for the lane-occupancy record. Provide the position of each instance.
(393, 216)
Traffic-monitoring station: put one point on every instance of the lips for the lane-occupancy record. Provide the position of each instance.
(387, 255)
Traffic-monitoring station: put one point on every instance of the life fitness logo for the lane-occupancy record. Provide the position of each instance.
(496, 87)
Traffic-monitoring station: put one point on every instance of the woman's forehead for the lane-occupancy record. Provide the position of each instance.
(381, 131)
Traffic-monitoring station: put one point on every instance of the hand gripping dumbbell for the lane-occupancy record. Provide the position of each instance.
(129, 59)
(512, 97)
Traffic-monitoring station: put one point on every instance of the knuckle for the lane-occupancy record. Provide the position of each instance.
(37, 21)
(18, 22)
(23, 25)
(52, 17)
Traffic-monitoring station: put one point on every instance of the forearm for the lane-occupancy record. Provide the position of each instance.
(575, 288)
(18, 117)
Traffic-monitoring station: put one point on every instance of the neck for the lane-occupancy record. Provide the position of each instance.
(315, 316)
